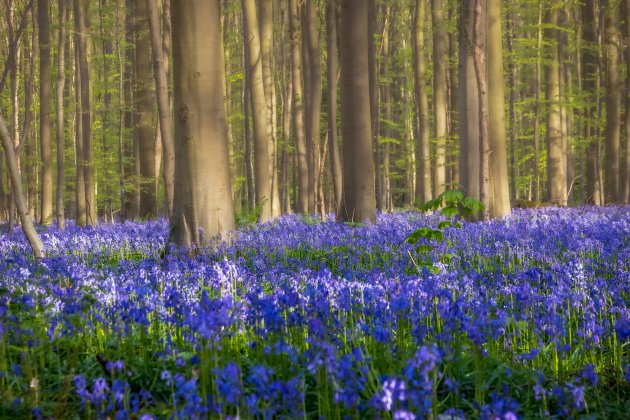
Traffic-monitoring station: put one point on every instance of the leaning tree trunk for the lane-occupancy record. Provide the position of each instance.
(500, 201)
(613, 105)
(332, 67)
(164, 108)
(359, 196)
(16, 186)
(203, 206)
(262, 129)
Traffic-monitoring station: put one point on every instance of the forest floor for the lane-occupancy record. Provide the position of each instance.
(528, 316)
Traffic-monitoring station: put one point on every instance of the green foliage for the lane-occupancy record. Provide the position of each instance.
(249, 216)
(451, 204)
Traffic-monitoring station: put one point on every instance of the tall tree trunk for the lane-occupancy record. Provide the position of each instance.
(613, 105)
(359, 197)
(589, 78)
(423, 151)
(314, 100)
(332, 68)
(537, 105)
(266, 53)
(132, 194)
(500, 199)
(479, 56)
(374, 97)
(468, 105)
(556, 177)
(61, 84)
(262, 129)
(625, 180)
(203, 206)
(144, 103)
(84, 52)
(80, 188)
(514, 166)
(164, 109)
(44, 113)
(298, 108)
(440, 110)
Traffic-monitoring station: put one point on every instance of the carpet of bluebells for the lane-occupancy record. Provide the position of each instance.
(528, 317)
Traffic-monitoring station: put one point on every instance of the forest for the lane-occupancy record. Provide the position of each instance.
(315, 209)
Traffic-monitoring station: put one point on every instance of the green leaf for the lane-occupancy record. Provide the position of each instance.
(445, 224)
(450, 211)
(423, 249)
(452, 196)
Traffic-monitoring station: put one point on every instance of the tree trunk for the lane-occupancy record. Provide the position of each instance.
(314, 100)
(500, 194)
(332, 68)
(266, 53)
(359, 197)
(262, 129)
(556, 176)
(439, 95)
(61, 82)
(613, 105)
(468, 106)
(144, 103)
(44, 113)
(514, 166)
(80, 188)
(374, 98)
(298, 108)
(164, 109)
(479, 56)
(423, 151)
(203, 206)
(625, 181)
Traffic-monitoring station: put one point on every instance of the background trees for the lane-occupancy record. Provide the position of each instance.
(561, 76)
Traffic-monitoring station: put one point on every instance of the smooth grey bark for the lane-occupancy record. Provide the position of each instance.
(613, 105)
(439, 94)
(203, 206)
(359, 196)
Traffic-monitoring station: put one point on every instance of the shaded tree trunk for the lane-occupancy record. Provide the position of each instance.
(61, 84)
(613, 105)
(359, 197)
(298, 109)
(332, 69)
(203, 206)
(164, 109)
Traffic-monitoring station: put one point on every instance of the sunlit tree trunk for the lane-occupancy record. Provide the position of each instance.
(439, 94)
(80, 187)
(625, 180)
(359, 198)
(203, 192)
(500, 194)
(262, 129)
(556, 176)
(46, 211)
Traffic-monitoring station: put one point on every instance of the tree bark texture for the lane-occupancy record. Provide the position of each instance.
(359, 197)
(203, 192)
(46, 211)
(332, 69)
(60, 87)
(613, 105)
(440, 110)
